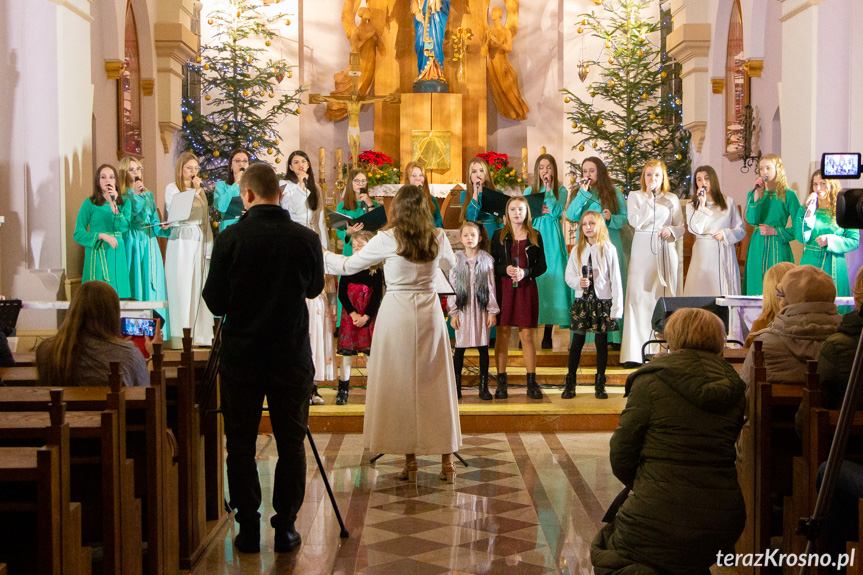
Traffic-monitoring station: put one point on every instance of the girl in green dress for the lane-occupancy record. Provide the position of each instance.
(146, 269)
(768, 207)
(415, 175)
(597, 193)
(355, 203)
(825, 243)
(229, 189)
(555, 296)
(102, 221)
(478, 177)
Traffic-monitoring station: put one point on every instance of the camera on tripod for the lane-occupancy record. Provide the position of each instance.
(849, 203)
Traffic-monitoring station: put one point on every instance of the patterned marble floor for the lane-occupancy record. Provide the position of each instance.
(528, 504)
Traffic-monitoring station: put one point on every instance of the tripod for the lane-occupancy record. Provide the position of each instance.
(811, 526)
(206, 393)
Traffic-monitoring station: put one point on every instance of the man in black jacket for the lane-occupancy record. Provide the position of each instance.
(263, 269)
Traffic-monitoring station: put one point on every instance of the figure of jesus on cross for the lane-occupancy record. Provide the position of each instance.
(354, 102)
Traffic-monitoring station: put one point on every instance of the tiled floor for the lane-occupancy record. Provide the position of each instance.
(528, 503)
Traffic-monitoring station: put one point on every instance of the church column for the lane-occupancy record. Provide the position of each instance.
(690, 45)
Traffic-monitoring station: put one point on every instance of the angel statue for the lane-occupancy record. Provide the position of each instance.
(366, 41)
(430, 17)
(501, 75)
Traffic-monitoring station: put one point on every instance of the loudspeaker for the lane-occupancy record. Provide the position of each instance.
(668, 305)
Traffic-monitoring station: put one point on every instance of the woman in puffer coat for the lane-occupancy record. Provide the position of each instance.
(675, 447)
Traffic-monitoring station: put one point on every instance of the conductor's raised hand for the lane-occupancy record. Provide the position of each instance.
(354, 228)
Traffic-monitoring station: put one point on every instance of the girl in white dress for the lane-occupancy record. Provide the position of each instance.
(411, 404)
(304, 201)
(654, 213)
(187, 258)
(717, 225)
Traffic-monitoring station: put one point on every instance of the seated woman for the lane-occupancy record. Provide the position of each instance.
(770, 301)
(88, 341)
(675, 448)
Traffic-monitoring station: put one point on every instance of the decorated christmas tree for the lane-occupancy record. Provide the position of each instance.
(633, 113)
(243, 104)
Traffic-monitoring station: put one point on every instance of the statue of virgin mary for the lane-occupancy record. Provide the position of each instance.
(430, 17)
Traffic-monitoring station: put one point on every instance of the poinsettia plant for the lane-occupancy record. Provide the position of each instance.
(502, 174)
(379, 168)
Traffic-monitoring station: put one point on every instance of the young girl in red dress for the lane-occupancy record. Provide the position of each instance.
(518, 260)
(360, 295)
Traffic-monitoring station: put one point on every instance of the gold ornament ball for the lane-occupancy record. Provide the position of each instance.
(290, 74)
(207, 97)
(189, 118)
(224, 126)
(611, 60)
(664, 74)
(599, 122)
(644, 96)
(574, 125)
(656, 140)
(210, 21)
(287, 22)
(584, 22)
(277, 142)
(267, 43)
(659, 121)
(593, 145)
(631, 169)
(566, 100)
(198, 59)
(621, 143)
(272, 95)
(254, 144)
(610, 83)
(677, 101)
(206, 66)
(581, 148)
(216, 153)
(593, 94)
(519, 180)
(629, 139)
(245, 92)
(640, 53)
(608, 43)
(269, 150)
(580, 30)
(678, 156)
(571, 181)
(298, 110)
(652, 116)
(278, 160)
(238, 13)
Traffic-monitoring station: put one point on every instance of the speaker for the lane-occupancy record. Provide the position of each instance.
(668, 305)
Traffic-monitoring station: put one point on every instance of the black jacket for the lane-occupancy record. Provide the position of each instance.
(263, 269)
(501, 253)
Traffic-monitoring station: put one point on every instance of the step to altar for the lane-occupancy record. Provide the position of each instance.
(515, 414)
(544, 357)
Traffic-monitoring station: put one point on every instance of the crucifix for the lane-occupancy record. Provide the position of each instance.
(354, 102)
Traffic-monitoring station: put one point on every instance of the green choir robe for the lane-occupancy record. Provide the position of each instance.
(101, 261)
(587, 201)
(474, 214)
(830, 258)
(143, 254)
(222, 196)
(555, 296)
(767, 251)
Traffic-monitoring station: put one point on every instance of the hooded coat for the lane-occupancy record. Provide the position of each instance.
(675, 446)
(795, 336)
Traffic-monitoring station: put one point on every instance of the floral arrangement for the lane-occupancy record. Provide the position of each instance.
(502, 174)
(380, 168)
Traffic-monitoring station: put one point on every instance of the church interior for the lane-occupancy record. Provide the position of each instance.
(118, 478)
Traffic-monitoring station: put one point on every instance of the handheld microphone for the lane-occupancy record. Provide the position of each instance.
(243, 169)
(584, 181)
(584, 276)
(137, 178)
(758, 183)
(701, 191)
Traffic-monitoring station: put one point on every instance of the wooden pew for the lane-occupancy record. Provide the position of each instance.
(768, 444)
(95, 439)
(19, 375)
(148, 442)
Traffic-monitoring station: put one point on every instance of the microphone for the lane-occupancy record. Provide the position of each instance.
(137, 178)
(758, 183)
(584, 276)
(243, 169)
(363, 205)
(701, 191)
(584, 181)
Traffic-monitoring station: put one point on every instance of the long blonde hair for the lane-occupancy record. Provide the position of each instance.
(665, 187)
(94, 312)
(601, 234)
(532, 235)
(833, 188)
(412, 225)
(781, 180)
(125, 180)
(487, 182)
(184, 159)
(770, 302)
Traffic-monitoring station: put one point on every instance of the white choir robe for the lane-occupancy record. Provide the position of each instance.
(713, 269)
(320, 323)
(654, 269)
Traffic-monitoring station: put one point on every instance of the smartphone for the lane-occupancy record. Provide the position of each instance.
(140, 326)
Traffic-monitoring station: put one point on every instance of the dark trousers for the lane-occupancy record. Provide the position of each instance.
(287, 389)
(578, 339)
(840, 525)
(458, 359)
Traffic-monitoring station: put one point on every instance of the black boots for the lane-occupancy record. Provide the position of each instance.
(546, 338)
(599, 387)
(342, 395)
(483, 387)
(500, 392)
(458, 385)
(533, 390)
(569, 388)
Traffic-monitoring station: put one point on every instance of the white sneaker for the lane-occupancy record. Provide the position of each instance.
(316, 398)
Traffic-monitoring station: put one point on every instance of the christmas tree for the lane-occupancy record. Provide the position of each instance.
(641, 114)
(239, 85)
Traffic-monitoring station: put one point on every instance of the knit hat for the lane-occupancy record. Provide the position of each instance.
(806, 284)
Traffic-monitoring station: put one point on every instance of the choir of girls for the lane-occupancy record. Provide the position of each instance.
(522, 277)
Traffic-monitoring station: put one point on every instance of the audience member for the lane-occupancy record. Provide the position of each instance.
(807, 316)
(675, 448)
(769, 302)
(88, 341)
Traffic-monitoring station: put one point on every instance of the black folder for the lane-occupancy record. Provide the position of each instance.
(372, 221)
(494, 202)
(235, 209)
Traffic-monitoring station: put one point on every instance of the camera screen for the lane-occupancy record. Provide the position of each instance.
(839, 166)
(138, 326)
